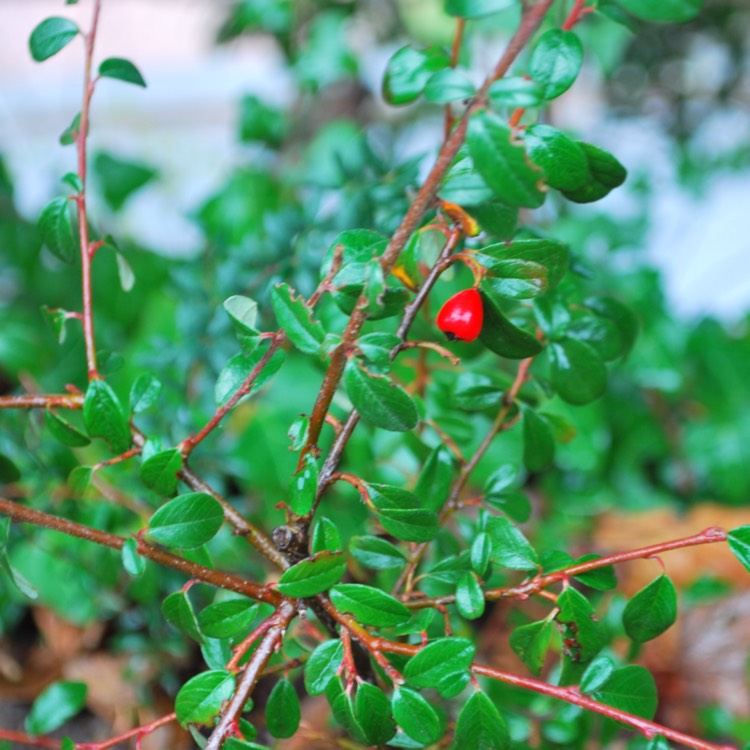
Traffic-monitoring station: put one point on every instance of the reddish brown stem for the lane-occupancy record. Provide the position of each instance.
(455, 52)
(118, 459)
(33, 401)
(80, 198)
(138, 732)
(193, 570)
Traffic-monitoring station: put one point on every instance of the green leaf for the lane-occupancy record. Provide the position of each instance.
(326, 536)
(401, 514)
(63, 431)
(298, 432)
(469, 597)
(322, 666)
(25, 586)
(50, 36)
(68, 136)
(515, 279)
(554, 256)
(79, 478)
(480, 726)
(630, 689)
(178, 611)
(502, 162)
(580, 628)
(620, 315)
(563, 160)
(530, 643)
(303, 486)
(577, 372)
(659, 743)
(651, 611)
(374, 552)
(606, 174)
(56, 229)
(133, 563)
(124, 272)
(313, 575)
(9, 472)
(597, 673)
(515, 91)
(144, 393)
(408, 71)
(447, 86)
(665, 11)
(601, 579)
(122, 70)
(476, 8)
(379, 401)
(377, 347)
(510, 548)
(372, 710)
(104, 416)
(463, 185)
(120, 178)
(73, 181)
(556, 61)
(496, 218)
(416, 717)
(436, 477)
(295, 317)
(200, 699)
(443, 664)
(228, 618)
(186, 522)
(240, 367)
(502, 337)
(283, 710)
(243, 312)
(538, 443)
(159, 471)
(343, 709)
(369, 605)
(260, 122)
(481, 552)
(54, 706)
(739, 543)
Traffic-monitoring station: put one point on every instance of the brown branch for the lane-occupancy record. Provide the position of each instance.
(34, 401)
(138, 733)
(193, 570)
(80, 198)
(252, 673)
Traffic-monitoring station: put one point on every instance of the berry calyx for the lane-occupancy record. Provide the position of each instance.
(460, 318)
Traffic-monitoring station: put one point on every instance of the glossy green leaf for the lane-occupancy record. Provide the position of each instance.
(120, 178)
(435, 478)
(369, 605)
(56, 228)
(241, 367)
(377, 553)
(442, 664)
(298, 432)
(79, 479)
(739, 543)
(503, 337)
(469, 597)
(620, 315)
(502, 162)
(144, 393)
(73, 181)
(480, 726)
(515, 279)
(159, 471)
(597, 673)
(554, 256)
(283, 710)
(659, 743)
(416, 717)
(665, 11)
(377, 347)
(580, 626)
(228, 618)
(464, 185)
(68, 136)
(480, 553)
(50, 36)
(401, 514)
(132, 562)
(577, 372)
(178, 611)
(372, 710)
(379, 401)
(187, 521)
(514, 504)
(475, 392)
(563, 160)
(322, 666)
(448, 85)
(531, 642)
(303, 486)
(313, 575)
(326, 536)
(408, 71)
(258, 121)
(295, 317)
(515, 91)
(510, 548)
(200, 699)
(476, 8)
(9, 472)
(651, 611)
(538, 443)
(243, 313)
(63, 431)
(556, 61)
(56, 704)
(104, 416)
(601, 579)
(496, 218)
(122, 70)
(606, 174)
(630, 689)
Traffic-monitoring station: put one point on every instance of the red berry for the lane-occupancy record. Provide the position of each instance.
(460, 318)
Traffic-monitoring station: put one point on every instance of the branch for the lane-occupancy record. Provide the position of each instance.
(216, 578)
(138, 732)
(252, 673)
(33, 401)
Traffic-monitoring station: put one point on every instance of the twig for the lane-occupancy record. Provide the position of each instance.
(33, 401)
(138, 732)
